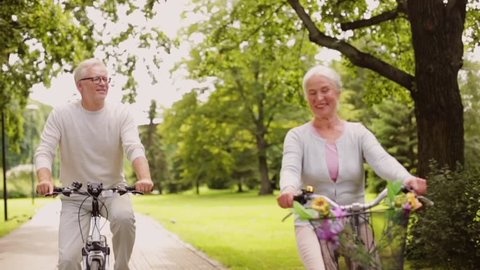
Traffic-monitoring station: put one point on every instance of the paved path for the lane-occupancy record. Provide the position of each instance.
(34, 246)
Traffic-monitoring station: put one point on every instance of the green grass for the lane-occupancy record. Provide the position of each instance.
(242, 231)
(19, 211)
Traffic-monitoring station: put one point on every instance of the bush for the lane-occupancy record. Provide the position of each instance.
(19, 182)
(447, 235)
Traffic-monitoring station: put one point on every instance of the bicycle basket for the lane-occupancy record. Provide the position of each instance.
(370, 240)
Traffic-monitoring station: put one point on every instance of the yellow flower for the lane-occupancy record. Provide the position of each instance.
(322, 206)
(413, 201)
(399, 201)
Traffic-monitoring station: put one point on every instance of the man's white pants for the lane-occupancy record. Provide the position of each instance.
(75, 224)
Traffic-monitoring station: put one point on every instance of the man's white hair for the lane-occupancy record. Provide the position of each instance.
(80, 70)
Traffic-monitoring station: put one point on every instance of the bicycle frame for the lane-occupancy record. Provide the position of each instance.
(96, 247)
(95, 251)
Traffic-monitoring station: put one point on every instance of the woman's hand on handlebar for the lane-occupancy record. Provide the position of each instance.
(144, 185)
(417, 184)
(285, 200)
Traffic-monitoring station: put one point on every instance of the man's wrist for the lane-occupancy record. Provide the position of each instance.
(45, 180)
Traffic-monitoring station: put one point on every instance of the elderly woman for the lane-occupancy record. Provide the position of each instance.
(328, 153)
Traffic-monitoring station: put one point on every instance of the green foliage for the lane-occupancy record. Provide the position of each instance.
(472, 23)
(394, 125)
(447, 235)
(469, 82)
(20, 182)
(43, 38)
(19, 148)
(153, 142)
(39, 40)
(243, 117)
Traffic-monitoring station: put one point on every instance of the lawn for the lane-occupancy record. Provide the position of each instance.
(242, 231)
(19, 211)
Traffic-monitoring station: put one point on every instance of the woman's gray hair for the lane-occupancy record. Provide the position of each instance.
(323, 71)
(81, 69)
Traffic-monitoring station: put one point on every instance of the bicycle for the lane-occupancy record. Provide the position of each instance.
(95, 251)
(349, 230)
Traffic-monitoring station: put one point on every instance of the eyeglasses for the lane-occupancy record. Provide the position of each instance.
(98, 79)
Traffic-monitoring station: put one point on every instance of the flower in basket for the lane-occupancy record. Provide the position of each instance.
(321, 206)
(400, 205)
(330, 222)
(396, 199)
(329, 230)
(412, 201)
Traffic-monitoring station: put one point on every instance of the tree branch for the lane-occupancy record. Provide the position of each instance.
(355, 56)
(386, 16)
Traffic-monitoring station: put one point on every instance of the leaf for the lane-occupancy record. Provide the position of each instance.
(393, 188)
(304, 213)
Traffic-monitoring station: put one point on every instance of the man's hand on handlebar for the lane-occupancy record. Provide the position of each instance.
(45, 187)
(144, 185)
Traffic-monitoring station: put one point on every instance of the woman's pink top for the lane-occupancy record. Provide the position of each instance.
(332, 160)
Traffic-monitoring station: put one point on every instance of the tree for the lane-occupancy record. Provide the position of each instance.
(193, 144)
(153, 142)
(424, 39)
(256, 89)
(41, 39)
(394, 125)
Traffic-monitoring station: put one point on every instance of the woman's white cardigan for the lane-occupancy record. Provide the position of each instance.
(304, 162)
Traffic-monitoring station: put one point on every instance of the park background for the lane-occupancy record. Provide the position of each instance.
(216, 85)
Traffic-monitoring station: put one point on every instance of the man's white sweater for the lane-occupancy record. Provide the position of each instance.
(91, 144)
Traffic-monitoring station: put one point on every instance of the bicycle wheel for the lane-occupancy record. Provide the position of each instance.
(95, 265)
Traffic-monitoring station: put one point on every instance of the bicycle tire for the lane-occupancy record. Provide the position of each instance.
(95, 265)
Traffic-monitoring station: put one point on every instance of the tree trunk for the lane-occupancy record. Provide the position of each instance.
(437, 41)
(240, 185)
(265, 185)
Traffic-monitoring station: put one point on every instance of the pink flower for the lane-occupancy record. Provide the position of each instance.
(339, 212)
(407, 208)
(329, 231)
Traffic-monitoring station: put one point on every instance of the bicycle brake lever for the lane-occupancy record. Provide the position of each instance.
(425, 201)
(302, 197)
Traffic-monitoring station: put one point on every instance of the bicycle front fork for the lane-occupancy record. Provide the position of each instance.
(96, 251)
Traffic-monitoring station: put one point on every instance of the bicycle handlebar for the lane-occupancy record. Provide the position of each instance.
(307, 195)
(93, 190)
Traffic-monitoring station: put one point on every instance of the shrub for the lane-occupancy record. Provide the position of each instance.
(447, 235)
(19, 182)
